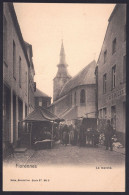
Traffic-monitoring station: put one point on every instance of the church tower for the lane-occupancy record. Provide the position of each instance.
(62, 75)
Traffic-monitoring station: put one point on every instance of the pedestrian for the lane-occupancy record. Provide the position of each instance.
(64, 137)
(61, 133)
(71, 137)
(89, 136)
(108, 135)
(75, 137)
(95, 138)
(82, 137)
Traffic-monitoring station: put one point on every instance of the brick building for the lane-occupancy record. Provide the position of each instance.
(17, 70)
(112, 72)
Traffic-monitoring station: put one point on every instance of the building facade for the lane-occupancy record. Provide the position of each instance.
(41, 99)
(31, 83)
(112, 72)
(16, 72)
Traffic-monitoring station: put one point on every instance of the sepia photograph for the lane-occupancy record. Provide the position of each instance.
(64, 97)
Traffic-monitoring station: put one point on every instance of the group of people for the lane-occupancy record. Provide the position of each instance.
(68, 135)
(81, 137)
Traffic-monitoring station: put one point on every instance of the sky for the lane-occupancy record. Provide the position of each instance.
(81, 26)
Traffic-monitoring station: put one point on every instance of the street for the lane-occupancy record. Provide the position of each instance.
(69, 155)
(74, 155)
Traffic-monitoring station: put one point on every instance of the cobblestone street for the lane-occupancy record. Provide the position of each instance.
(69, 155)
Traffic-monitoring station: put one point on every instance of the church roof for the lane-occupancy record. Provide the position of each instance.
(70, 113)
(39, 93)
(84, 77)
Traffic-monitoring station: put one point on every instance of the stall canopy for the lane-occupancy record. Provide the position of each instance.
(41, 114)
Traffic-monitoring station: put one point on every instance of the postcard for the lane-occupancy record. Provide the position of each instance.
(64, 97)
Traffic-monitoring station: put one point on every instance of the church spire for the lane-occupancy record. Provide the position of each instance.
(62, 54)
(62, 75)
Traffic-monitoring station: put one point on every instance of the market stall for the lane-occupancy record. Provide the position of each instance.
(38, 128)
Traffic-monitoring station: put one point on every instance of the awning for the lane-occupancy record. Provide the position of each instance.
(41, 115)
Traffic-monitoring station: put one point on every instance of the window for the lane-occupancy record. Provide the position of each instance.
(14, 60)
(48, 103)
(105, 56)
(114, 46)
(124, 68)
(20, 73)
(40, 103)
(113, 77)
(82, 96)
(104, 82)
(20, 109)
(44, 102)
(100, 113)
(5, 39)
(75, 98)
(25, 110)
(104, 113)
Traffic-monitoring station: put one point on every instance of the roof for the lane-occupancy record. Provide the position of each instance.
(70, 113)
(39, 93)
(84, 77)
(27, 45)
(30, 46)
(57, 101)
(41, 114)
(113, 12)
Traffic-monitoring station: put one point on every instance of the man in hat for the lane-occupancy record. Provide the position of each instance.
(108, 135)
